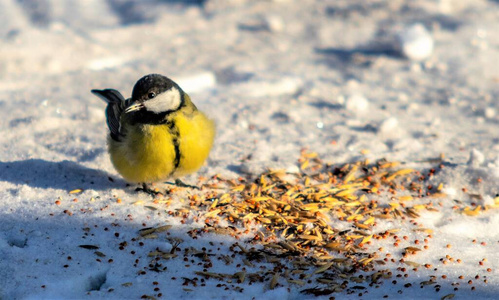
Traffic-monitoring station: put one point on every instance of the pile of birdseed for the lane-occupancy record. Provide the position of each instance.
(315, 227)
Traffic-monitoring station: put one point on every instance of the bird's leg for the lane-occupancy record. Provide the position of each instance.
(180, 183)
(146, 189)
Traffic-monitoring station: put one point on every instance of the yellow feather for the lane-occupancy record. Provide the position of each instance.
(147, 153)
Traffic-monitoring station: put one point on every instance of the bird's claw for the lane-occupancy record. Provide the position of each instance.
(180, 183)
(146, 189)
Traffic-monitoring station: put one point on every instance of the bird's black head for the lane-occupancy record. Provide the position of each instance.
(155, 94)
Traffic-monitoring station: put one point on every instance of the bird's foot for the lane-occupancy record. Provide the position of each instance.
(180, 183)
(146, 189)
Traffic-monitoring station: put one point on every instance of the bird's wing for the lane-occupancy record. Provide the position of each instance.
(116, 105)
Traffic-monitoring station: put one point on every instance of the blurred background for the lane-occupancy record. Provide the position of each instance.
(347, 78)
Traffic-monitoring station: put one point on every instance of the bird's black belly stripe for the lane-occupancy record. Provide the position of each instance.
(176, 143)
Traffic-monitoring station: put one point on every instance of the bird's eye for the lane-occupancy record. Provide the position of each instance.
(151, 95)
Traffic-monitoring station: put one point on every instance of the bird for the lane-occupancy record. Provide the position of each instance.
(158, 134)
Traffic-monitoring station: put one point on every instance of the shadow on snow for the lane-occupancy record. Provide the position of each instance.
(65, 175)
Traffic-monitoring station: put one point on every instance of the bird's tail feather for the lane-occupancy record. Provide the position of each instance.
(116, 104)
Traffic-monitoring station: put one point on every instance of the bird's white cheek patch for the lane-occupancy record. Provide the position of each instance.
(166, 101)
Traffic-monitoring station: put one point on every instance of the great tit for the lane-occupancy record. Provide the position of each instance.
(158, 133)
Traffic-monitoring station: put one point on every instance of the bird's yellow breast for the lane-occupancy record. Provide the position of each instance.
(151, 153)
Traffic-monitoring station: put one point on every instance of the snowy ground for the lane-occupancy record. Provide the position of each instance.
(277, 77)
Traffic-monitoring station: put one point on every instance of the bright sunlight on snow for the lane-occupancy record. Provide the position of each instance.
(356, 154)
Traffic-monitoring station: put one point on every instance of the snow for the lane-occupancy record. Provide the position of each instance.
(476, 158)
(198, 82)
(390, 129)
(277, 77)
(357, 104)
(416, 42)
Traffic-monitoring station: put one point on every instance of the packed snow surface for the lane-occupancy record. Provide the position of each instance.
(409, 81)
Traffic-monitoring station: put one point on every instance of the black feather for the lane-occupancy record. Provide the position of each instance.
(116, 104)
